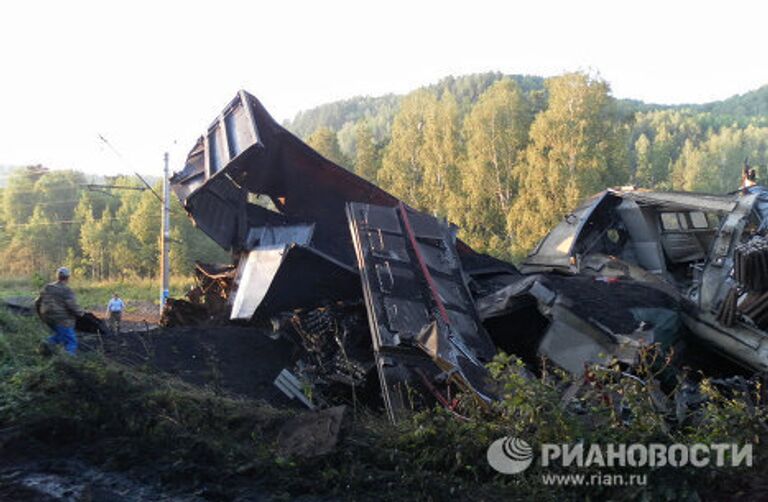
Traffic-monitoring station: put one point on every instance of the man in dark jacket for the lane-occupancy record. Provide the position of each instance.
(58, 308)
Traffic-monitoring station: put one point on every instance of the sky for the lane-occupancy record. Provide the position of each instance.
(151, 76)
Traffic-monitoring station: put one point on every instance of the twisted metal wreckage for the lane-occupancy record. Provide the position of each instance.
(378, 295)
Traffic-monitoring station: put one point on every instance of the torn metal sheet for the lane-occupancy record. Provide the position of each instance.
(417, 299)
(285, 277)
(254, 280)
(687, 200)
(273, 235)
(590, 320)
(292, 387)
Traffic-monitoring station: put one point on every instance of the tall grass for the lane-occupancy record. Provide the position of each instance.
(97, 294)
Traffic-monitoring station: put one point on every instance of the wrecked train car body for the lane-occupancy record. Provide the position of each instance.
(321, 252)
(281, 209)
(249, 179)
(683, 244)
(260, 192)
(251, 185)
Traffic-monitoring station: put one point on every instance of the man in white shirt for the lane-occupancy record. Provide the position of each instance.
(115, 312)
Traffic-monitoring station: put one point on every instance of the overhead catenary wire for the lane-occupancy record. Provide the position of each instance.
(120, 156)
(74, 188)
(62, 222)
(48, 203)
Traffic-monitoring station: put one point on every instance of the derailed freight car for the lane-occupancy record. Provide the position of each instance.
(317, 248)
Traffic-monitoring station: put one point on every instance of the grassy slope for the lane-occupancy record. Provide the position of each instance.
(191, 438)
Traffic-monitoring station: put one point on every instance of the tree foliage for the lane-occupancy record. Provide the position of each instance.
(509, 157)
(50, 219)
(496, 135)
(420, 163)
(368, 154)
(325, 142)
(578, 147)
(503, 157)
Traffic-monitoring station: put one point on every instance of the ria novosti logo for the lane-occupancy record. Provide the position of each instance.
(510, 455)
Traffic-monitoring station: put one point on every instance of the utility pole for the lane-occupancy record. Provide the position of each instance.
(165, 226)
(165, 229)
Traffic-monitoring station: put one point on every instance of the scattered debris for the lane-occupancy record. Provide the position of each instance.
(586, 320)
(384, 305)
(179, 312)
(89, 323)
(291, 387)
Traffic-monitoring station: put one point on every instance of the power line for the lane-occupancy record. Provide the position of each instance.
(43, 192)
(62, 222)
(90, 186)
(50, 202)
(46, 203)
(114, 150)
(77, 189)
(149, 187)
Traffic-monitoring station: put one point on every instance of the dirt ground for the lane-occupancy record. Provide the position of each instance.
(230, 360)
(240, 361)
(140, 315)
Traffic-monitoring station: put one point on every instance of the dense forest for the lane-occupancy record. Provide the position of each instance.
(52, 218)
(505, 157)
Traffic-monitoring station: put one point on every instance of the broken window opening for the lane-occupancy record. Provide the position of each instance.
(686, 238)
(262, 200)
(699, 220)
(519, 331)
(670, 221)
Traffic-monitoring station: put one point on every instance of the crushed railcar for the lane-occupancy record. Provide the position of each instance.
(281, 209)
(704, 250)
(387, 302)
